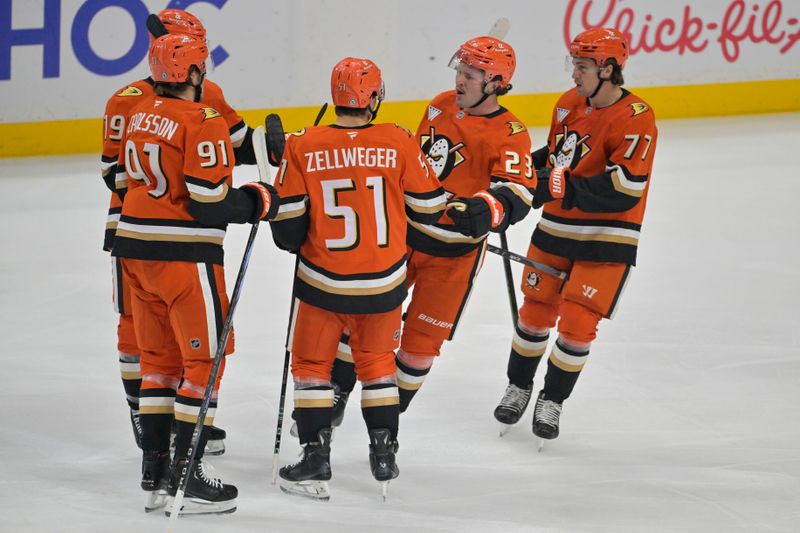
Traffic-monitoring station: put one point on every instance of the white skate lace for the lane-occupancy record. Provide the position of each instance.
(515, 398)
(548, 412)
(206, 473)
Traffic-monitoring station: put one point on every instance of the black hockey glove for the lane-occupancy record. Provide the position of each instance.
(266, 198)
(477, 215)
(551, 184)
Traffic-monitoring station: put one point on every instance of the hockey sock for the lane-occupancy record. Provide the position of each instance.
(183, 439)
(409, 379)
(187, 411)
(563, 368)
(131, 373)
(527, 350)
(344, 370)
(156, 407)
(380, 406)
(313, 409)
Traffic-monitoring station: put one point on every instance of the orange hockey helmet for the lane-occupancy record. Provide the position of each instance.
(180, 21)
(493, 56)
(354, 81)
(600, 44)
(172, 55)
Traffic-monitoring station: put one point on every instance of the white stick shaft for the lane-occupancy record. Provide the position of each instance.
(177, 503)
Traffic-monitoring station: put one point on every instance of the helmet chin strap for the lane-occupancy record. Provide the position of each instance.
(374, 112)
(198, 89)
(482, 98)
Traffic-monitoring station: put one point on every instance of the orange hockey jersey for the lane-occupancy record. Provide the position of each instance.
(610, 153)
(345, 196)
(470, 154)
(115, 119)
(176, 158)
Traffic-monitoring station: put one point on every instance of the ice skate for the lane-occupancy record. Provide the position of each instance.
(215, 445)
(546, 416)
(339, 403)
(205, 493)
(309, 477)
(512, 406)
(382, 458)
(155, 478)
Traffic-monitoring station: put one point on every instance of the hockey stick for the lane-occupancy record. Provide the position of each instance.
(510, 287)
(287, 353)
(528, 262)
(500, 28)
(155, 26)
(260, 148)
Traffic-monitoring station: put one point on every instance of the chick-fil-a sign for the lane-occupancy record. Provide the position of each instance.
(740, 23)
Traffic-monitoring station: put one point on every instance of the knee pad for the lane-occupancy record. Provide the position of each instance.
(416, 343)
(535, 315)
(577, 323)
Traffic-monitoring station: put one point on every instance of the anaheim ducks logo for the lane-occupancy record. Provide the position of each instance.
(299, 133)
(209, 113)
(441, 153)
(570, 149)
(516, 127)
(639, 108)
(130, 90)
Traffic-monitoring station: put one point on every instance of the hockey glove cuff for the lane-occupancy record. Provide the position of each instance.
(477, 215)
(266, 198)
(551, 184)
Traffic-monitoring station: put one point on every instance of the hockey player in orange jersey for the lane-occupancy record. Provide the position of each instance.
(606, 136)
(175, 177)
(114, 122)
(481, 153)
(347, 191)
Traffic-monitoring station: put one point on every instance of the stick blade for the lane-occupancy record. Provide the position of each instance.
(155, 26)
(260, 149)
(500, 28)
(276, 138)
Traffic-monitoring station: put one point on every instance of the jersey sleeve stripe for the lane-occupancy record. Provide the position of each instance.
(626, 184)
(524, 193)
(291, 208)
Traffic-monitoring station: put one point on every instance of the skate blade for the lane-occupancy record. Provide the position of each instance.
(215, 447)
(196, 506)
(314, 490)
(505, 428)
(155, 500)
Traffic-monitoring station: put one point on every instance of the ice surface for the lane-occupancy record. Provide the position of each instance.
(687, 417)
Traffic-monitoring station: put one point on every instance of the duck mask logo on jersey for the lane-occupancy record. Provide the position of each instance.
(570, 149)
(441, 153)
